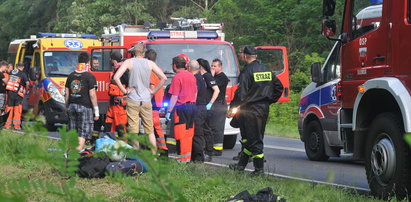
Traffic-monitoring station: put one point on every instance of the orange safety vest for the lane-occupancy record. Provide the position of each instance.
(14, 83)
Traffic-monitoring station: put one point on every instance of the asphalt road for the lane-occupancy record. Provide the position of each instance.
(286, 158)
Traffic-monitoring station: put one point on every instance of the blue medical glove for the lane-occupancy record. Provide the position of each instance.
(168, 116)
(209, 105)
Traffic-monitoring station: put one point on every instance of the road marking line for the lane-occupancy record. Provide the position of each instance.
(299, 179)
(283, 148)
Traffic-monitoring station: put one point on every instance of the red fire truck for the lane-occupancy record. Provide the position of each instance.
(375, 90)
(194, 38)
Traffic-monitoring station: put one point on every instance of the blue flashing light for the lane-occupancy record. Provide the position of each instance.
(158, 34)
(63, 35)
(165, 104)
(376, 1)
(207, 35)
(182, 34)
(88, 36)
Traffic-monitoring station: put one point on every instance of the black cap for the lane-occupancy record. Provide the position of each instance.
(20, 64)
(250, 50)
(116, 55)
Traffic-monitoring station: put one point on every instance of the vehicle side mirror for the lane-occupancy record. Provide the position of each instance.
(329, 28)
(316, 72)
(328, 7)
(34, 74)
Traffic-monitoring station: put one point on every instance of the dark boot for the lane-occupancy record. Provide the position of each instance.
(217, 153)
(236, 158)
(258, 166)
(163, 153)
(242, 163)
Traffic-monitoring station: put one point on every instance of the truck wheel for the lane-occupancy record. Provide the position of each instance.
(49, 126)
(229, 141)
(314, 142)
(388, 164)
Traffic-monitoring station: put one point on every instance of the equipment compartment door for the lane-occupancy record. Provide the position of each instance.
(104, 70)
(276, 59)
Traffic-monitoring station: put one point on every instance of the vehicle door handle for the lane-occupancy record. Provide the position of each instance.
(380, 58)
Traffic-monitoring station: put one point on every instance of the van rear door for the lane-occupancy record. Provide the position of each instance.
(276, 59)
(15, 52)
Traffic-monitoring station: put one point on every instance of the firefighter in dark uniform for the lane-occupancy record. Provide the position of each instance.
(16, 89)
(253, 99)
(219, 110)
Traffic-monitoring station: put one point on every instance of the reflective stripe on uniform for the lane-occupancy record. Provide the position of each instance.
(171, 141)
(184, 158)
(218, 147)
(246, 151)
(21, 91)
(258, 156)
(161, 144)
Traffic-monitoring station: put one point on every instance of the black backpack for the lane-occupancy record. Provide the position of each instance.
(92, 167)
(265, 195)
(128, 167)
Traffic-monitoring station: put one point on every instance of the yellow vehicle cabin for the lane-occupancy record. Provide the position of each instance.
(49, 58)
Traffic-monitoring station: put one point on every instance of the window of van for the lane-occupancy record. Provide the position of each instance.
(331, 69)
(60, 63)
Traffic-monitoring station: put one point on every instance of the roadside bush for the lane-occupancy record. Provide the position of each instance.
(286, 113)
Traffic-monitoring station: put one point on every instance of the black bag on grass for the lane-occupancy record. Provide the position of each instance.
(128, 167)
(265, 195)
(92, 167)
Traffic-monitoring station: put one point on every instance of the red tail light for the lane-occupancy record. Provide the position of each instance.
(339, 91)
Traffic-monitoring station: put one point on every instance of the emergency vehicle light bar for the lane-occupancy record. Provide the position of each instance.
(63, 35)
(182, 34)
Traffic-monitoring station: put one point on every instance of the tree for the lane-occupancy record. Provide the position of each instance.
(90, 16)
(205, 5)
(21, 18)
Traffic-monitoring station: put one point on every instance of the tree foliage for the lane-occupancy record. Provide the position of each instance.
(294, 24)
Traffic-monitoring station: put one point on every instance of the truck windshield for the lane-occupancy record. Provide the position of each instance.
(208, 51)
(60, 63)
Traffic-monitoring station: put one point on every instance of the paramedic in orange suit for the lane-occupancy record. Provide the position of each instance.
(182, 110)
(16, 89)
(116, 116)
(157, 102)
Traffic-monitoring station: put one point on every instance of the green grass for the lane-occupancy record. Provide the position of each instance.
(282, 131)
(194, 182)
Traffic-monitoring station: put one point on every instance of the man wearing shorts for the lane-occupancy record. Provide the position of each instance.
(81, 100)
(139, 91)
